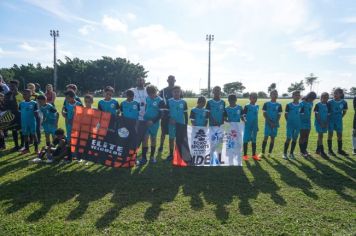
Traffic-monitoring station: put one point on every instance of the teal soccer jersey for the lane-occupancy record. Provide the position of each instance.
(70, 109)
(306, 112)
(321, 110)
(250, 113)
(199, 116)
(177, 110)
(28, 117)
(336, 109)
(216, 112)
(49, 122)
(111, 106)
(272, 110)
(293, 120)
(233, 114)
(130, 110)
(154, 108)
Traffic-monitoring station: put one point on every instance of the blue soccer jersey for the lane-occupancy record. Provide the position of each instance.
(233, 114)
(70, 109)
(216, 112)
(250, 114)
(306, 112)
(154, 108)
(199, 116)
(336, 109)
(49, 122)
(272, 111)
(28, 116)
(293, 120)
(111, 106)
(130, 110)
(177, 109)
(321, 111)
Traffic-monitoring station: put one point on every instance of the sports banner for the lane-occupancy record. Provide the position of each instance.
(209, 146)
(6, 120)
(102, 138)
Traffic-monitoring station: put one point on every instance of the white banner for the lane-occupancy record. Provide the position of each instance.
(216, 145)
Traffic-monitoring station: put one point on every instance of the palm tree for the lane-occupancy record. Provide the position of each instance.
(310, 80)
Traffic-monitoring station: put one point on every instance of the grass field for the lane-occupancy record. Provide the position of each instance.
(273, 196)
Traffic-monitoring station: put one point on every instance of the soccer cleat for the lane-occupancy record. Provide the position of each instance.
(245, 157)
(36, 160)
(80, 160)
(305, 155)
(291, 156)
(15, 149)
(262, 155)
(141, 162)
(256, 158)
(324, 155)
(285, 156)
(331, 153)
(160, 149)
(49, 161)
(153, 160)
(342, 153)
(22, 149)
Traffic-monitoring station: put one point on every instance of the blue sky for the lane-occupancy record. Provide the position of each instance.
(257, 42)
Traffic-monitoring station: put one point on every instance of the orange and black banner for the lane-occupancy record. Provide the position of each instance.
(102, 138)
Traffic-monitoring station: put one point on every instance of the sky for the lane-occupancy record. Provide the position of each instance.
(257, 42)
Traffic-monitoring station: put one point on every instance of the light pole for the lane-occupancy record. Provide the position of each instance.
(54, 34)
(209, 38)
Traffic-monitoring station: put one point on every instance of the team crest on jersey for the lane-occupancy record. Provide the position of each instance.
(341, 106)
(238, 112)
(30, 106)
(134, 107)
(221, 106)
(181, 106)
(154, 103)
(112, 105)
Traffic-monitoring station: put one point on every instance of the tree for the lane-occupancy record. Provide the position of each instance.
(310, 80)
(246, 95)
(285, 95)
(188, 94)
(262, 94)
(234, 87)
(352, 91)
(204, 92)
(296, 86)
(272, 87)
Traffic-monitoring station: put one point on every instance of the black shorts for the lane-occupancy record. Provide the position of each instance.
(164, 125)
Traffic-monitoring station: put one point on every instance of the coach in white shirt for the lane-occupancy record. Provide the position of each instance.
(140, 95)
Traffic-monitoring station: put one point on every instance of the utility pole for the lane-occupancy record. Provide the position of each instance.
(54, 34)
(209, 38)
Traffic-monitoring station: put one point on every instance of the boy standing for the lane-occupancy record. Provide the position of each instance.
(250, 117)
(108, 104)
(177, 109)
(233, 112)
(130, 108)
(199, 115)
(321, 121)
(272, 111)
(29, 114)
(50, 117)
(292, 116)
(69, 110)
(88, 101)
(216, 108)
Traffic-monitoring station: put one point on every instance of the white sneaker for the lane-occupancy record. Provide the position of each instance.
(36, 160)
(81, 160)
(285, 156)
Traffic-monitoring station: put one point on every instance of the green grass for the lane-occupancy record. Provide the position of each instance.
(274, 196)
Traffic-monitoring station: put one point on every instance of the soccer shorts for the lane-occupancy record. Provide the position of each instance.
(305, 124)
(250, 134)
(172, 131)
(270, 132)
(335, 125)
(28, 127)
(319, 129)
(49, 128)
(153, 129)
(293, 131)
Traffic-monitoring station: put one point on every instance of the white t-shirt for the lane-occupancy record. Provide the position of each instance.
(140, 96)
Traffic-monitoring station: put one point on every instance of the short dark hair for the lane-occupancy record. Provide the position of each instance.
(41, 97)
(89, 96)
(295, 92)
(37, 85)
(201, 99)
(130, 93)
(310, 95)
(151, 89)
(109, 89)
(232, 97)
(72, 86)
(27, 91)
(176, 87)
(15, 82)
(70, 94)
(59, 131)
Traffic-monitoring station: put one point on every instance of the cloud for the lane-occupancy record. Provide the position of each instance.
(86, 29)
(316, 47)
(349, 20)
(25, 46)
(130, 16)
(113, 24)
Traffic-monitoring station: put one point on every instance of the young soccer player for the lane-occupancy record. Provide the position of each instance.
(29, 113)
(272, 111)
(54, 152)
(233, 112)
(307, 107)
(153, 113)
(88, 101)
(337, 108)
(321, 121)
(250, 117)
(2, 135)
(108, 104)
(177, 109)
(130, 108)
(292, 116)
(69, 110)
(216, 108)
(199, 115)
(50, 117)
(12, 101)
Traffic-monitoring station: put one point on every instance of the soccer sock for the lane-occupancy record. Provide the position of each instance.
(2, 142)
(22, 139)
(245, 149)
(339, 145)
(144, 152)
(264, 144)
(318, 148)
(301, 147)
(35, 143)
(330, 145)
(253, 149)
(271, 145)
(305, 146)
(15, 137)
(153, 150)
(27, 146)
(286, 145)
(294, 143)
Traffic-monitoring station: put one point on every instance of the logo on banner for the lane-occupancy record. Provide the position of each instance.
(123, 132)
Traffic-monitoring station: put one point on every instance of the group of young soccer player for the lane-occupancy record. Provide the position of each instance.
(33, 110)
